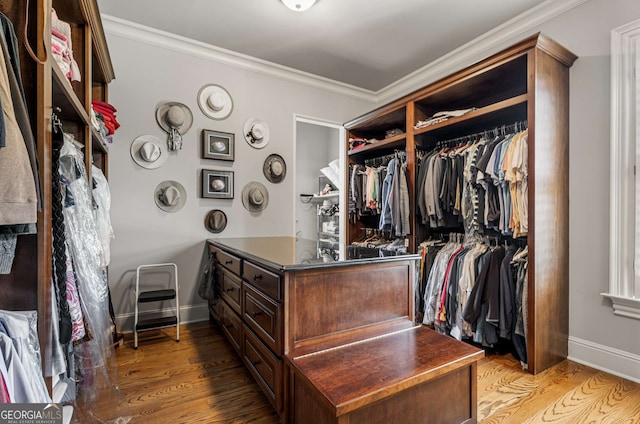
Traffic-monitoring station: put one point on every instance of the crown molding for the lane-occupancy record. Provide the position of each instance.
(465, 55)
(478, 48)
(155, 37)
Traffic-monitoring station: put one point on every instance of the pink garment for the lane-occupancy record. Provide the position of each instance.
(58, 34)
(73, 300)
(4, 392)
(64, 29)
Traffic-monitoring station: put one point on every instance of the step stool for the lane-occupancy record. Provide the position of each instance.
(156, 296)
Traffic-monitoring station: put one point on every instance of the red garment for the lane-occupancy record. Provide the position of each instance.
(442, 312)
(104, 105)
(109, 120)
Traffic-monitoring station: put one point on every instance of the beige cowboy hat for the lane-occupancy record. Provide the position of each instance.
(170, 196)
(256, 132)
(174, 115)
(215, 102)
(274, 168)
(149, 151)
(215, 221)
(255, 196)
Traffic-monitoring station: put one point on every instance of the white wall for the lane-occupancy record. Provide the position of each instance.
(146, 74)
(596, 334)
(316, 146)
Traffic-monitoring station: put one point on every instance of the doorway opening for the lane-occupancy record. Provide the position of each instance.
(319, 198)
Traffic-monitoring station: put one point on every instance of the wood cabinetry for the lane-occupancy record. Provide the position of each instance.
(249, 312)
(526, 82)
(47, 90)
(288, 309)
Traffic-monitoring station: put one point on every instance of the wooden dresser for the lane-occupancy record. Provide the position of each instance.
(282, 309)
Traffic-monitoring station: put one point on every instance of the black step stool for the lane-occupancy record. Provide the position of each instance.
(156, 296)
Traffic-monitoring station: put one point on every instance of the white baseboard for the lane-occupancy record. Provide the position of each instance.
(188, 314)
(617, 362)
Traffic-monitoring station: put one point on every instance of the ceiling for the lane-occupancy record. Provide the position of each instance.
(365, 43)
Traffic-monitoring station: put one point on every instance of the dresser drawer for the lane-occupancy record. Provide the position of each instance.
(231, 290)
(231, 327)
(265, 367)
(264, 316)
(230, 262)
(215, 308)
(264, 280)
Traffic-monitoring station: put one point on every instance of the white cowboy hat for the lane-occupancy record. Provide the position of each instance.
(149, 151)
(274, 168)
(255, 196)
(256, 132)
(170, 196)
(215, 102)
(215, 221)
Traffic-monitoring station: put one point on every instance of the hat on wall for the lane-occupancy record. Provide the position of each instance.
(215, 102)
(149, 151)
(170, 196)
(255, 196)
(176, 119)
(274, 168)
(256, 132)
(215, 221)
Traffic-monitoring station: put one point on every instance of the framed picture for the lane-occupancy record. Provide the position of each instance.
(217, 184)
(218, 145)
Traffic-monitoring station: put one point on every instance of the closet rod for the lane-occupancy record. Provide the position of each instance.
(494, 132)
(384, 160)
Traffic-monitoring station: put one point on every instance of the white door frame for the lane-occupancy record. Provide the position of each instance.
(297, 118)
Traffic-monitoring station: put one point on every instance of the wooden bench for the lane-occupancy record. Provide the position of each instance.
(410, 376)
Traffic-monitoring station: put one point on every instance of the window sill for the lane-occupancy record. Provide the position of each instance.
(624, 306)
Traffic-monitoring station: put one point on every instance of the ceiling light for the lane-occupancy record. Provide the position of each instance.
(298, 5)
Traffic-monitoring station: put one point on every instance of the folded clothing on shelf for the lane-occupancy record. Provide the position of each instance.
(62, 49)
(106, 113)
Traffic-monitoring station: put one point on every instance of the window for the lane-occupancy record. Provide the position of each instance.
(624, 273)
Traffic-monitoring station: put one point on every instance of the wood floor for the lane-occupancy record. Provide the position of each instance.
(202, 380)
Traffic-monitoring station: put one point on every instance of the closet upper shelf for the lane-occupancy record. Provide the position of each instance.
(374, 125)
(70, 107)
(387, 144)
(65, 98)
(500, 113)
(85, 12)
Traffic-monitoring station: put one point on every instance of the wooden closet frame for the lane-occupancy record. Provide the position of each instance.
(28, 287)
(529, 80)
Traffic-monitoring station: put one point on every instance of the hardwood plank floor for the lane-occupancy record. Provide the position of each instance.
(202, 380)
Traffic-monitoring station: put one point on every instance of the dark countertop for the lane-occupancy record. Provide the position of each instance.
(289, 253)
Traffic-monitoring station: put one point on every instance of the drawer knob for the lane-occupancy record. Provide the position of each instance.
(230, 289)
(228, 325)
(256, 362)
(228, 262)
(255, 313)
(257, 277)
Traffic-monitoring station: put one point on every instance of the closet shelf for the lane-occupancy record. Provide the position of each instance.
(65, 98)
(482, 115)
(333, 195)
(98, 141)
(395, 142)
(85, 12)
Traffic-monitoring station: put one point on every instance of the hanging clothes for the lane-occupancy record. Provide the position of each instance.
(381, 190)
(20, 360)
(480, 186)
(20, 194)
(102, 198)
